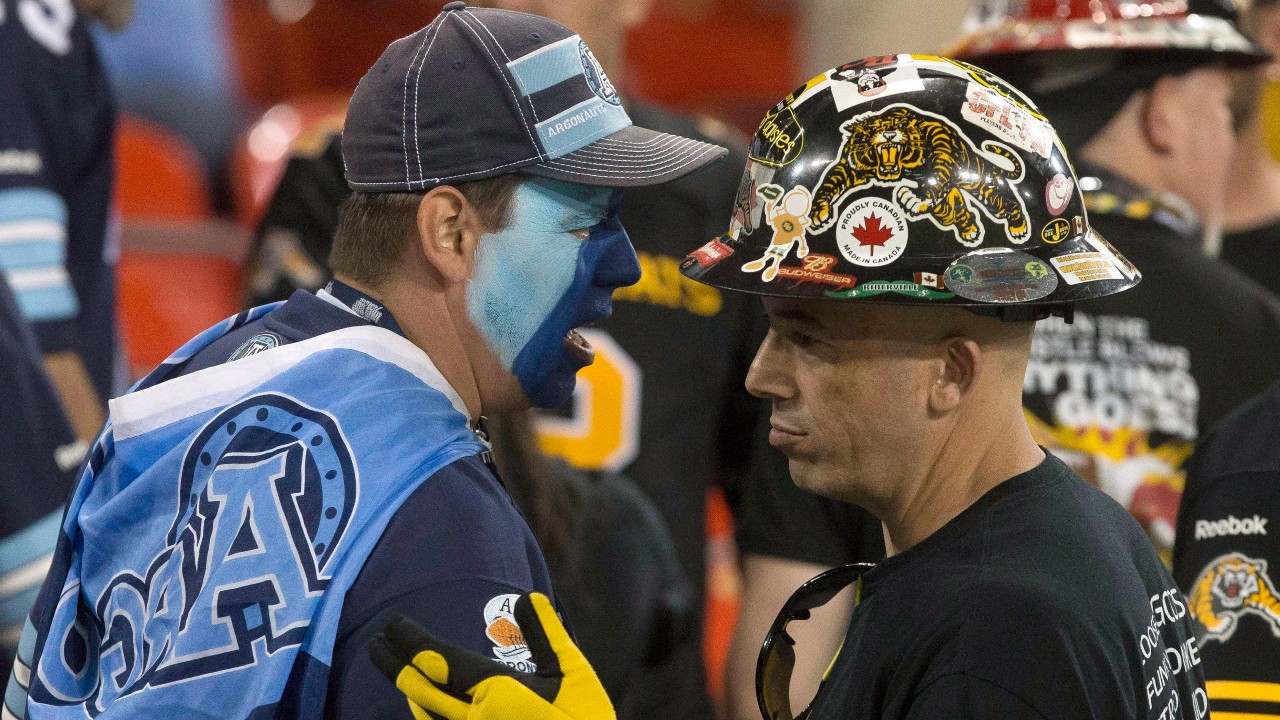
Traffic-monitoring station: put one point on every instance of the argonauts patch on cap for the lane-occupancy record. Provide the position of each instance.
(481, 92)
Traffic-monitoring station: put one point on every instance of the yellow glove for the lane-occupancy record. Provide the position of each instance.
(442, 680)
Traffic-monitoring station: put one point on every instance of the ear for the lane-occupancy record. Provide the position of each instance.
(1164, 115)
(449, 230)
(958, 369)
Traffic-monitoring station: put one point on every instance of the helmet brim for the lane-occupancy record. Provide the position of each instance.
(709, 266)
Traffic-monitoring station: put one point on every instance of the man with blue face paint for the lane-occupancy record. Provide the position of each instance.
(550, 271)
(263, 502)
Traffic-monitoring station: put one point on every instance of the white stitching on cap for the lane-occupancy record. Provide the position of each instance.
(614, 161)
(610, 173)
(659, 137)
(490, 33)
(417, 144)
(525, 161)
(657, 156)
(614, 171)
(502, 73)
(404, 109)
(657, 151)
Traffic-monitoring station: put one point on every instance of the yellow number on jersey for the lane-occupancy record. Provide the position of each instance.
(604, 431)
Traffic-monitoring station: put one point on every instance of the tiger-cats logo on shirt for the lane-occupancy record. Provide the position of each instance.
(1233, 585)
(936, 170)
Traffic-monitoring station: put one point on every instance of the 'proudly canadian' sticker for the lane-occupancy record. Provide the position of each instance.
(872, 232)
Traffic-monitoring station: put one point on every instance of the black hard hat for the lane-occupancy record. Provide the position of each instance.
(911, 179)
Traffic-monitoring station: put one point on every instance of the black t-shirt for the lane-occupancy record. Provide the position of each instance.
(1228, 553)
(1256, 253)
(1041, 600)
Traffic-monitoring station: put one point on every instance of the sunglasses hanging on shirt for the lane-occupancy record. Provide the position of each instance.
(777, 654)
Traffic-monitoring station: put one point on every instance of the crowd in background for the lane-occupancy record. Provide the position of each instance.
(219, 123)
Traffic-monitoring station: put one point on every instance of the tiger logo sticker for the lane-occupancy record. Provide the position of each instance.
(936, 172)
(1231, 586)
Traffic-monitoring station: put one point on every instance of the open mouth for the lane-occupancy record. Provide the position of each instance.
(579, 348)
(890, 165)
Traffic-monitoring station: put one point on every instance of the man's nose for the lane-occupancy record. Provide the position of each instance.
(618, 265)
(768, 377)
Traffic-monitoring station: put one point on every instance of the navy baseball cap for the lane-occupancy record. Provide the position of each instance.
(482, 92)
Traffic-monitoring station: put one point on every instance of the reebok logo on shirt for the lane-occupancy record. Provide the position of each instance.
(1231, 525)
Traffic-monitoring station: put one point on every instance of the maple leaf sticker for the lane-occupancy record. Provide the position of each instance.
(872, 233)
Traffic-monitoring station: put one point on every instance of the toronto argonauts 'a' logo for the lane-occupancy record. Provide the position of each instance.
(265, 493)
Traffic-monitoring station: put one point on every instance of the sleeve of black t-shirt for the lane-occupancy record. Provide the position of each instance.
(959, 696)
(456, 544)
(778, 519)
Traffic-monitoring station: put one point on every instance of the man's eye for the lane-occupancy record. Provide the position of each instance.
(802, 340)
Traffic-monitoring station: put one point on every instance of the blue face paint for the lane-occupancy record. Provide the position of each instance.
(535, 281)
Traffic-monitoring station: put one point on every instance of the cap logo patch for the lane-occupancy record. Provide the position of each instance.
(936, 172)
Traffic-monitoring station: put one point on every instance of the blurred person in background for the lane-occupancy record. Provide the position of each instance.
(59, 244)
(1251, 238)
(57, 288)
(38, 460)
(174, 66)
(262, 500)
(1122, 393)
(640, 416)
(1227, 557)
(1145, 102)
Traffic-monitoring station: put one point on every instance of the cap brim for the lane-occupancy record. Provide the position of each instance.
(631, 157)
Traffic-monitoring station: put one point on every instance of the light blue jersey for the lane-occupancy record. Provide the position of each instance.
(220, 521)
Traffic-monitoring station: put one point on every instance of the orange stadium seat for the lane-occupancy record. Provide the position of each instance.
(178, 271)
(159, 174)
